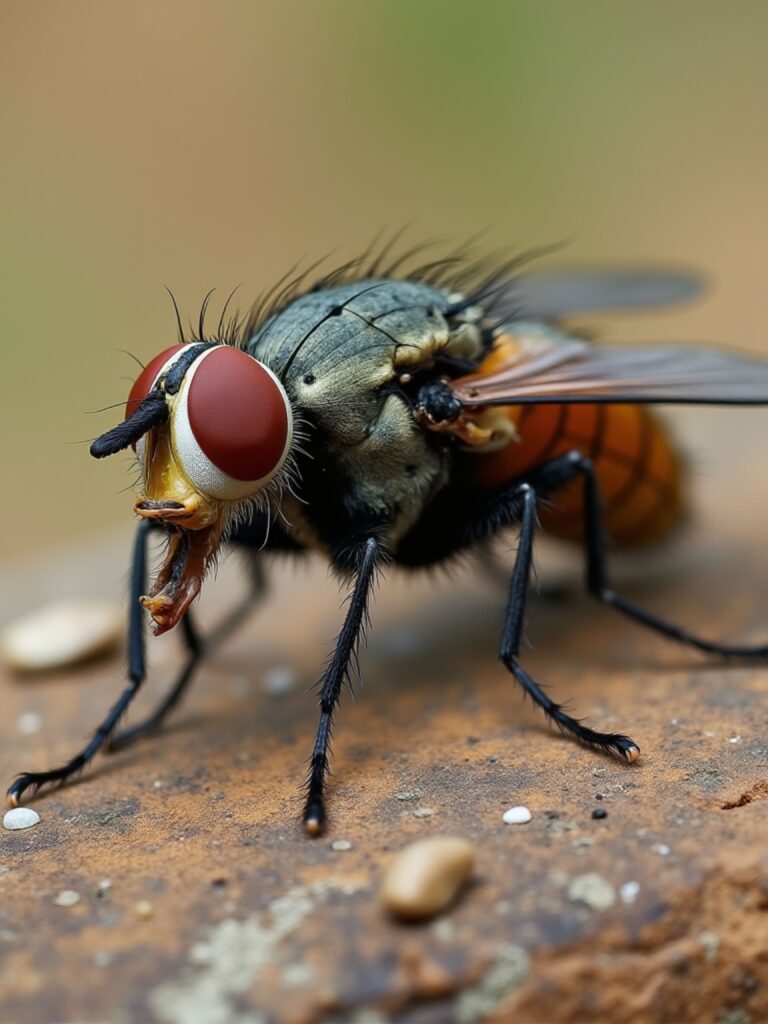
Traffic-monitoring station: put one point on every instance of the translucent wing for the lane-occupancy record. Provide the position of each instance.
(547, 296)
(538, 369)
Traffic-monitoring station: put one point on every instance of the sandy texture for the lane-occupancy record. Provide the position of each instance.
(219, 909)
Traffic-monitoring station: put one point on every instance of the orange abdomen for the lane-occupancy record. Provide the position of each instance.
(638, 469)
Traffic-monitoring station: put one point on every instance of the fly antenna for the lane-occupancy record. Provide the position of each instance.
(152, 411)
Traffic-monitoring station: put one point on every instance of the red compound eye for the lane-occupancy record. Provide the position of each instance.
(146, 378)
(238, 414)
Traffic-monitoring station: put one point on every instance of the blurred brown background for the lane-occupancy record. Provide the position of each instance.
(213, 144)
(199, 144)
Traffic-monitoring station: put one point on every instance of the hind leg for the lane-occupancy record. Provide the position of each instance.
(514, 622)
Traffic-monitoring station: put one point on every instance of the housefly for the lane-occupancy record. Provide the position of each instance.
(391, 418)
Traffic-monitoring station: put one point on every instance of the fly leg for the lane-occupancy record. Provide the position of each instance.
(194, 645)
(574, 464)
(136, 674)
(197, 647)
(368, 558)
(514, 623)
(104, 738)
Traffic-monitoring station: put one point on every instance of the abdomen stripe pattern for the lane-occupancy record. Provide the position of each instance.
(638, 469)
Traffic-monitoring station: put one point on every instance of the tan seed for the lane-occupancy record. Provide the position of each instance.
(61, 634)
(67, 898)
(425, 877)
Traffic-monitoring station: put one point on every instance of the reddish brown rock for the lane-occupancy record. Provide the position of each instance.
(249, 916)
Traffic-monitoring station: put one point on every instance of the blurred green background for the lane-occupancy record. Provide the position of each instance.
(199, 144)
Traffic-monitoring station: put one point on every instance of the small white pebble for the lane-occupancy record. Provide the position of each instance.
(708, 733)
(408, 794)
(424, 812)
(592, 889)
(629, 892)
(67, 898)
(341, 845)
(734, 739)
(20, 817)
(28, 723)
(516, 816)
(61, 634)
(158, 784)
(280, 679)
(662, 849)
(104, 886)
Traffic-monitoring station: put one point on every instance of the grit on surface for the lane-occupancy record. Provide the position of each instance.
(219, 908)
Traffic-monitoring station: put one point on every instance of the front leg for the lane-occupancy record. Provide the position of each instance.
(136, 675)
(367, 557)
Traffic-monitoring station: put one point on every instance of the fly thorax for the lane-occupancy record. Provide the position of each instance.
(394, 471)
(337, 351)
(343, 355)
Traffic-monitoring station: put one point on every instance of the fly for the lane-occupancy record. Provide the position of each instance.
(392, 419)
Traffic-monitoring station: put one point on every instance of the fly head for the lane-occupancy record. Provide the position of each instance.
(212, 430)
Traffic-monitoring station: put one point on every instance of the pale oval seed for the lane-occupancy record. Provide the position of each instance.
(29, 722)
(61, 634)
(516, 816)
(20, 817)
(67, 898)
(425, 877)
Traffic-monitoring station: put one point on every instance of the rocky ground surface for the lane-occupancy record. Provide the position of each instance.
(199, 900)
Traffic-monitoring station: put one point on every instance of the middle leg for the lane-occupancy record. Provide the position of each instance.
(367, 556)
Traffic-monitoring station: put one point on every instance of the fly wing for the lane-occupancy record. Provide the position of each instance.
(574, 371)
(547, 296)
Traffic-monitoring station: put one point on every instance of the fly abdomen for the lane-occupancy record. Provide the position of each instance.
(638, 469)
